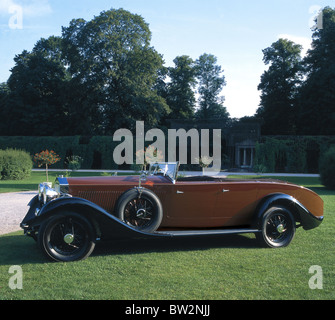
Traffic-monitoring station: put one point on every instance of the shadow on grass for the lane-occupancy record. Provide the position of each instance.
(174, 245)
(17, 249)
(323, 191)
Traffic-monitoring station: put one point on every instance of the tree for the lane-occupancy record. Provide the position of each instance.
(180, 96)
(46, 158)
(4, 94)
(279, 86)
(110, 56)
(36, 84)
(210, 84)
(317, 95)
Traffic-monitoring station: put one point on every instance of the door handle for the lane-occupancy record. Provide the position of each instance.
(224, 190)
(180, 192)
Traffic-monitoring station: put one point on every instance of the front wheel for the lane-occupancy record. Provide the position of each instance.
(277, 228)
(66, 237)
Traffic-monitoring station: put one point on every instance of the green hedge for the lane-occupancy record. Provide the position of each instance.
(273, 154)
(291, 154)
(327, 168)
(96, 152)
(15, 164)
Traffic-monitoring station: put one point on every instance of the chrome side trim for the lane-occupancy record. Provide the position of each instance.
(184, 233)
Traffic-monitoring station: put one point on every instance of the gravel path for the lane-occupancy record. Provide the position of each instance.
(13, 208)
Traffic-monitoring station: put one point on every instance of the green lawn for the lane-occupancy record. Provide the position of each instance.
(36, 178)
(233, 267)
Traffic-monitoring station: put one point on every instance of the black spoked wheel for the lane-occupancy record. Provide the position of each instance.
(67, 237)
(140, 210)
(277, 228)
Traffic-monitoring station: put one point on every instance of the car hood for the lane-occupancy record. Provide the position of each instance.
(115, 180)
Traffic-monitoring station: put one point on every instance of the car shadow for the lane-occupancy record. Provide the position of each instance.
(17, 249)
(175, 244)
(322, 191)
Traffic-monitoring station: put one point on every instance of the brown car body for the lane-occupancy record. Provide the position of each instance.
(196, 204)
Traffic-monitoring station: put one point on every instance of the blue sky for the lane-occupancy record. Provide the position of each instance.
(235, 31)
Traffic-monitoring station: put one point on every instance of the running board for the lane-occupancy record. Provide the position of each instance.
(184, 233)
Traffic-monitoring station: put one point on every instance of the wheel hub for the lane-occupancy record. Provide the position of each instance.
(140, 213)
(68, 238)
(280, 228)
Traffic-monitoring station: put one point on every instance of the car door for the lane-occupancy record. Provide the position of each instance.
(192, 204)
(236, 202)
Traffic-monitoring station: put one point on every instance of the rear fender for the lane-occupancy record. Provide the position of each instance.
(301, 214)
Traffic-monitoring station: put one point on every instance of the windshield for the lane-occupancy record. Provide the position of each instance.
(168, 169)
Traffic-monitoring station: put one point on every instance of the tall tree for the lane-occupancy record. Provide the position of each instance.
(317, 95)
(111, 57)
(181, 97)
(279, 86)
(4, 94)
(36, 89)
(210, 84)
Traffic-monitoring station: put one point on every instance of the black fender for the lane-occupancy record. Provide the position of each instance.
(31, 214)
(301, 214)
(107, 226)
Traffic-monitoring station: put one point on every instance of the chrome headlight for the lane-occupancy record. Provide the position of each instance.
(62, 185)
(46, 194)
(40, 191)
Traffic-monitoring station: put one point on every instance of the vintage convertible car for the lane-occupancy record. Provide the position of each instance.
(68, 220)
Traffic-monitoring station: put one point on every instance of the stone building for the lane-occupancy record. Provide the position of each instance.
(239, 139)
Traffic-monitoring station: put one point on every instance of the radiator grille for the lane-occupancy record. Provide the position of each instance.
(104, 199)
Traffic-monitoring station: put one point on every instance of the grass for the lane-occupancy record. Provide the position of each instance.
(37, 177)
(231, 267)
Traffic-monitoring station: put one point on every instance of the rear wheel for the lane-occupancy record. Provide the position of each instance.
(66, 237)
(277, 228)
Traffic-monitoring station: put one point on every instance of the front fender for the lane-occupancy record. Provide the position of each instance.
(69, 202)
(38, 212)
(108, 227)
(301, 214)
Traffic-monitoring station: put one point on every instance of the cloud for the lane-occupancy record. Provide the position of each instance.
(5, 5)
(37, 8)
(30, 8)
(305, 42)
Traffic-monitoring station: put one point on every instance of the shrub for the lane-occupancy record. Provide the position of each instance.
(74, 162)
(15, 164)
(327, 168)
